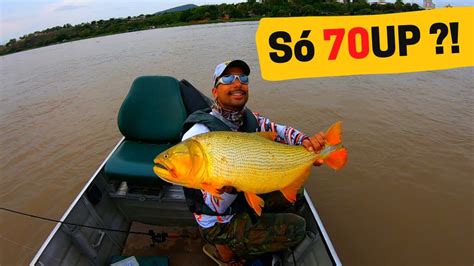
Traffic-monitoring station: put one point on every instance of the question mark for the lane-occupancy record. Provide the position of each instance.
(444, 32)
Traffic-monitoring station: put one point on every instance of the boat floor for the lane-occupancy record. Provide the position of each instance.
(180, 250)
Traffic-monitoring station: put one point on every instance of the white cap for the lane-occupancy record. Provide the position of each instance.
(220, 68)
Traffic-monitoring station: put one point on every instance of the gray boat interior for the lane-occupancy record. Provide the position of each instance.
(133, 199)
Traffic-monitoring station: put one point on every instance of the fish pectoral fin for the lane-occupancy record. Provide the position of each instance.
(255, 202)
(337, 159)
(291, 190)
(334, 134)
(211, 189)
(267, 135)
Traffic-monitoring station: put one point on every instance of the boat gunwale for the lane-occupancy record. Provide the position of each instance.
(72, 205)
(321, 228)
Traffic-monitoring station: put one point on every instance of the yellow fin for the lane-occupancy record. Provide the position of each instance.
(255, 202)
(334, 134)
(291, 190)
(211, 189)
(267, 135)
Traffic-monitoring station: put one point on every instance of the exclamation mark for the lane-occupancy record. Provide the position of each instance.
(454, 37)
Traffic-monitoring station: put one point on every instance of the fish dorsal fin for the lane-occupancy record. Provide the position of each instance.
(337, 159)
(334, 134)
(267, 135)
(255, 202)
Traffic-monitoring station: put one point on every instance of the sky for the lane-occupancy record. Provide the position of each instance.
(20, 17)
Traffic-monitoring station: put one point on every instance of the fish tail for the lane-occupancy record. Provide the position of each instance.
(335, 154)
(337, 159)
(334, 134)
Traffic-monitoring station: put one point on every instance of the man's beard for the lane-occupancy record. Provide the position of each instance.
(235, 117)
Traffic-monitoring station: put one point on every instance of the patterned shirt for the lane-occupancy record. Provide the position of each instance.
(285, 134)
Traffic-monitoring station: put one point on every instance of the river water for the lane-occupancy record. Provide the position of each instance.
(405, 197)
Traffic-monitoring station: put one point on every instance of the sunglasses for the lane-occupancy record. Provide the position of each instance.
(229, 79)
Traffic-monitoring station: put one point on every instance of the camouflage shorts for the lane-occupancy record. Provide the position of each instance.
(273, 232)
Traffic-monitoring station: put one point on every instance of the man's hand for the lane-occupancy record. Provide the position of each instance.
(315, 144)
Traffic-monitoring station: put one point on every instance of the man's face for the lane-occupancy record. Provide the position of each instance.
(232, 96)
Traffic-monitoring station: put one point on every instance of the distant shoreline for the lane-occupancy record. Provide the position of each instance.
(181, 24)
(208, 14)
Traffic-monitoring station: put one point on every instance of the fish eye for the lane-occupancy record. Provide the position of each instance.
(166, 156)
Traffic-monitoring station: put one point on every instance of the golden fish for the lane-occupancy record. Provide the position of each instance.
(251, 162)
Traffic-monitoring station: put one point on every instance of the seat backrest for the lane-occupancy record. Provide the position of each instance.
(193, 99)
(153, 110)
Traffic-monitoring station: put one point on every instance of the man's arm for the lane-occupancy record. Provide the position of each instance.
(196, 129)
(291, 136)
(285, 134)
(214, 203)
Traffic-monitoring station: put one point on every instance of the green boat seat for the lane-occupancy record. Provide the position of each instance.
(133, 162)
(150, 119)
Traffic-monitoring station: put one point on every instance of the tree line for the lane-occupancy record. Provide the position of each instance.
(250, 10)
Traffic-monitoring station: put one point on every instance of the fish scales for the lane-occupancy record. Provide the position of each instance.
(249, 161)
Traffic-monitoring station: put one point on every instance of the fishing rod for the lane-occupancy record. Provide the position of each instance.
(155, 237)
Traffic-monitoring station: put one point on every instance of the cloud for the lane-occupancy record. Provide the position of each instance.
(22, 18)
(68, 7)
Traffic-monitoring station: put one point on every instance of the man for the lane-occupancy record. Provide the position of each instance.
(226, 222)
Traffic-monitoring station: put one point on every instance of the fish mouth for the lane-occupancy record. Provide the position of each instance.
(159, 165)
(166, 173)
(163, 171)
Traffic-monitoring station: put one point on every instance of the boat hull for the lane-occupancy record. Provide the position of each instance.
(103, 203)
